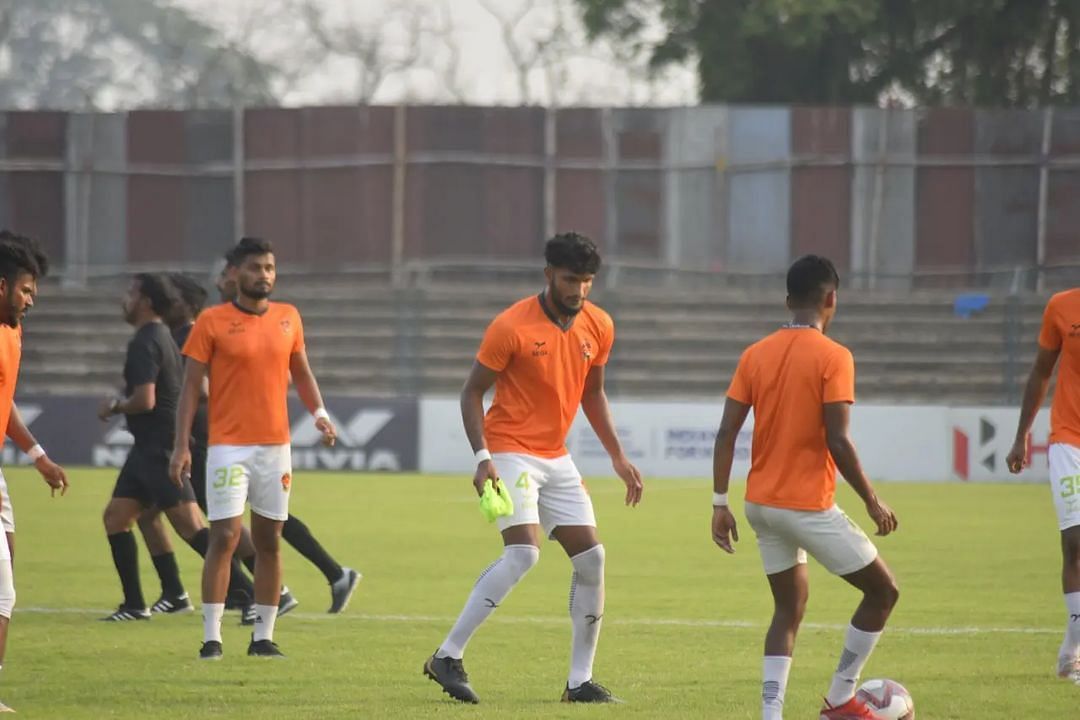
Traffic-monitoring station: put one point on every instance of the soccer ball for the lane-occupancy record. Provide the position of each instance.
(888, 699)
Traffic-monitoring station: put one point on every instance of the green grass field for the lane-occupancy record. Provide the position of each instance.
(975, 634)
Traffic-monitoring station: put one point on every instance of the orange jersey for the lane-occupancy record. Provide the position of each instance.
(1061, 331)
(788, 377)
(247, 356)
(542, 370)
(10, 356)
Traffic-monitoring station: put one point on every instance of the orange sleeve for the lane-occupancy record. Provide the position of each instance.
(840, 377)
(607, 340)
(1050, 333)
(298, 336)
(200, 343)
(741, 389)
(497, 347)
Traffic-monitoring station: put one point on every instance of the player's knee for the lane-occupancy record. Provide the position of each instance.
(888, 594)
(115, 522)
(589, 565)
(521, 558)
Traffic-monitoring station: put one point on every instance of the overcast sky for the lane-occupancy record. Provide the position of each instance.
(485, 72)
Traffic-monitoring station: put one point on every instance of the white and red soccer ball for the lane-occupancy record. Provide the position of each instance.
(888, 699)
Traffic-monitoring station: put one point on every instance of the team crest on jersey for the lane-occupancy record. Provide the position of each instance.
(1074, 331)
(235, 327)
(286, 482)
(586, 350)
(540, 349)
(286, 325)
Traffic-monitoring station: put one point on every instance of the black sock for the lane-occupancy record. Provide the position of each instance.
(296, 533)
(241, 590)
(200, 541)
(169, 574)
(126, 558)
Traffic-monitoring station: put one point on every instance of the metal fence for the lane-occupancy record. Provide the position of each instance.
(899, 198)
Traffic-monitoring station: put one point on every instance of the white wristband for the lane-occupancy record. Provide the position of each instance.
(719, 499)
(481, 455)
(35, 452)
(320, 414)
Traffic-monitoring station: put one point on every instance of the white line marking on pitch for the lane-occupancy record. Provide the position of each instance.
(641, 622)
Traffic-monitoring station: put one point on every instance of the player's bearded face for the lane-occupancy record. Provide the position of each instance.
(18, 298)
(256, 277)
(568, 291)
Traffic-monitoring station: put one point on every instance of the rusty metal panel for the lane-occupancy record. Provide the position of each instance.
(37, 198)
(579, 203)
(945, 196)
(821, 196)
(273, 198)
(1062, 208)
(347, 211)
(639, 193)
(1006, 198)
(157, 205)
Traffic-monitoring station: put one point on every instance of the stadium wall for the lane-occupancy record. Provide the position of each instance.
(887, 193)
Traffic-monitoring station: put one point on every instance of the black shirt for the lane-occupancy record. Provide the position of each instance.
(152, 357)
(200, 428)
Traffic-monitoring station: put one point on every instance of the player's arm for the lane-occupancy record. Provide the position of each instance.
(308, 390)
(724, 528)
(837, 435)
(1034, 394)
(595, 404)
(480, 380)
(143, 399)
(53, 474)
(180, 463)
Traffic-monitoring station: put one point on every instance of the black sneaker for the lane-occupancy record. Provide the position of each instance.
(341, 590)
(264, 648)
(451, 675)
(589, 692)
(210, 650)
(248, 616)
(170, 605)
(124, 614)
(286, 603)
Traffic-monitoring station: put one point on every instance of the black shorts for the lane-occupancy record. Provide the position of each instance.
(145, 477)
(198, 474)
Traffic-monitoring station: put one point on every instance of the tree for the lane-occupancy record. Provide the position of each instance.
(999, 52)
(94, 54)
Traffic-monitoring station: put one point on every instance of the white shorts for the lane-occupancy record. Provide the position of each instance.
(7, 513)
(259, 474)
(1065, 483)
(786, 536)
(548, 493)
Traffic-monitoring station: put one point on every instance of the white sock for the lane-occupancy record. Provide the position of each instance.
(774, 674)
(857, 648)
(1070, 646)
(492, 587)
(211, 617)
(586, 611)
(265, 617)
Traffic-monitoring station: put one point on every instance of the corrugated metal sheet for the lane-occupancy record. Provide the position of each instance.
(759, 216)
(695, 207)
(37, 198)
(821, 196)
(945, 196)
